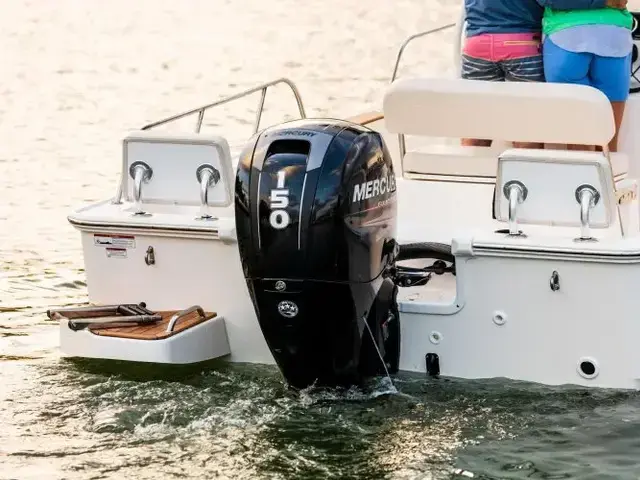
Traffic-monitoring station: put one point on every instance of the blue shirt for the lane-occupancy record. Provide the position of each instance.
(602, 40)
(515, 16)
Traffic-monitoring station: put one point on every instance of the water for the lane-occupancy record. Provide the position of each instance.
(76, 76)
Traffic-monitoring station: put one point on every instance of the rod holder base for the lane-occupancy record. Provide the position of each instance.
(141, 173)
(516, 192)
(588, 197)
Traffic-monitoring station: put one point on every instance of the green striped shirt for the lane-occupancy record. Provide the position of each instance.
(556, 20)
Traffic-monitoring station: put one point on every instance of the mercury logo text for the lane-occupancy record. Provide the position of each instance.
(297, 133)
(373, 188)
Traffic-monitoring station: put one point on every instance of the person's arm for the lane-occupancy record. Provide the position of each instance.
(581, 4)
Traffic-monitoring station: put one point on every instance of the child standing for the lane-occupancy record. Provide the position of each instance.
(591, 47)
(503, 41)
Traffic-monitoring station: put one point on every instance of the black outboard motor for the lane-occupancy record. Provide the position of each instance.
(315, 204)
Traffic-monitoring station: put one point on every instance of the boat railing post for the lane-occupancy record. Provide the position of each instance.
(403, 150)
(607, 153)
(117, 199)
(263, 95)
(200, 120)
(457, 42)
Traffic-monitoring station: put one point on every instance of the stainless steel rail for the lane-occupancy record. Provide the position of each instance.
(260, 88)
(182, 314)
(411, 39)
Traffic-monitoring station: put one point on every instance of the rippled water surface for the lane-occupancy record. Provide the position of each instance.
(76, 76)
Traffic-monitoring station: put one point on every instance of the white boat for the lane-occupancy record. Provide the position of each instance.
(522, 264)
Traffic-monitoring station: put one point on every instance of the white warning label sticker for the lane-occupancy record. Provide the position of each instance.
(116, 252)
(108, 240)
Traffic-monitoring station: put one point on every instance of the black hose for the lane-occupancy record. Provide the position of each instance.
(438, 251)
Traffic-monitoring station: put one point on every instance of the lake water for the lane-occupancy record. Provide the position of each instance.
(76, 77)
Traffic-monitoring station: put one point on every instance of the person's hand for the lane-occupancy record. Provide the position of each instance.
(619, 4)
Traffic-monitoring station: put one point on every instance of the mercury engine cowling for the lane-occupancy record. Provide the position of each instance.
(315, 206)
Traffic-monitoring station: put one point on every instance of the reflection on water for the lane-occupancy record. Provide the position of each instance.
(77, 77)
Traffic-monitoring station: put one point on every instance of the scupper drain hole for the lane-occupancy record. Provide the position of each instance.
(588, 368)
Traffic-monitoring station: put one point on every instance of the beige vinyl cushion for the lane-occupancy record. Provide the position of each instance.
(512, 111)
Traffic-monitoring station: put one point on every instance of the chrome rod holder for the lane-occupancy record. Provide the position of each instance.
(516, 193)
(207, 176)
(588, 197)
(141, 173)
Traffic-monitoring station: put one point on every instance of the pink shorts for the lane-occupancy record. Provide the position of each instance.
(497, 47)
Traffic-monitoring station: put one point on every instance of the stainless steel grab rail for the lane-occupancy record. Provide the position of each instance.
(184, 313)
(260, 88)
(411, 39)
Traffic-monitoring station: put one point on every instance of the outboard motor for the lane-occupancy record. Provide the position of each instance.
(315, 207)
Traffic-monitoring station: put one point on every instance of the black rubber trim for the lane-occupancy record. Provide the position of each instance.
(438, 251)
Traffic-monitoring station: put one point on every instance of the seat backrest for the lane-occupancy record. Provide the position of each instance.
(512, 111)
(174, 160)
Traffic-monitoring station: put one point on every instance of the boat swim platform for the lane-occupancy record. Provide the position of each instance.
(177, 337)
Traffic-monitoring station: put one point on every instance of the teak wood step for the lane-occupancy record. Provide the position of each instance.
(154, 331)
(117, 321)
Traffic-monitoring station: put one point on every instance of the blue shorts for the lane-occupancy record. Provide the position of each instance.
(610, 75)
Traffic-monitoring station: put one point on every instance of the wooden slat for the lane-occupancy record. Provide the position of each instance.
(366, 118)
(154, 331)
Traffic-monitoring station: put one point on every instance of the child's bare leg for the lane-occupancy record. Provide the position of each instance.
(618, 115)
